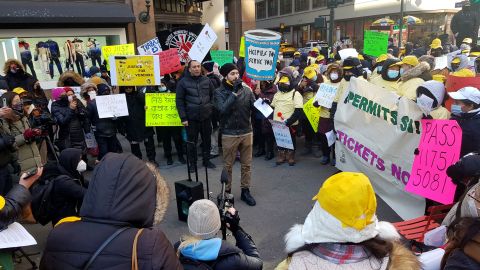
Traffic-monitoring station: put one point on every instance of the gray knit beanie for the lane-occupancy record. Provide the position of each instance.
(203, 219)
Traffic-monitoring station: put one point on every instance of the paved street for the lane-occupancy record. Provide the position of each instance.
(283, 197)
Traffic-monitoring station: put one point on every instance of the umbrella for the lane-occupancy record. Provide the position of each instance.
(383, 22)
(411, 20)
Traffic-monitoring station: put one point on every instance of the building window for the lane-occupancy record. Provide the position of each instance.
(185, 6)
(285, 7)
(272, 8)
(319, 3)
(261, 8)
(302, 5)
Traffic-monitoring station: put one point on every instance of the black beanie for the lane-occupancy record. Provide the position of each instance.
(226, 68)
(208, 65)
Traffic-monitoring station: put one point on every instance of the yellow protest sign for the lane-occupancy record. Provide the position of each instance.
(161, 110)
(312, 113)
(125, 49)
(241, 52)
(135, 70)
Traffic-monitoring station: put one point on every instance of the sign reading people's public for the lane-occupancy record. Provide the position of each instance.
(125, 49)
(202, 44)
(378, 133)
(150, 47)
(375, 43)
(439, 148)
(135, 70)
(161, 110)
(221, 57)
(169, 61)
(261, 53)
(110, 106)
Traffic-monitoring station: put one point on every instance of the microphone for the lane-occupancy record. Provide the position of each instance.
(224, 177)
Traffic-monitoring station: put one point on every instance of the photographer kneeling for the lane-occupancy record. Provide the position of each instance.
(201, 247)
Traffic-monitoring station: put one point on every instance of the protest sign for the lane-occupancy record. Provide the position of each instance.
(378, 133)
(90, 140)
(180, 38)
(282, 135)
(439, 148)
(325, 95)
(110, 106)
(261, 53)
(222, 57)
(135, 70)
(441, 62)
(161, 110)
(150, 47)
(375, 43)
(345, 53)
(331, 137)
(241, 51)
(125, 49)
(169, 61)
(312, 113)
(263, 107)
(202, 44)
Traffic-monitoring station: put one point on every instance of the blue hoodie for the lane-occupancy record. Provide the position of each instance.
(205, 250)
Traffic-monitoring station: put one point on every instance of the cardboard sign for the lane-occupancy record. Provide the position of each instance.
(161, 110)
(125, 49)
(202, 44)
(282, 135)
(110, 106)
(135, 70)
(241, 51)
(375, 43)
(222, 57)
(152, 46)
(325, 95)
(312, 113)
(264, 108)
(169, 61)
(439, 148)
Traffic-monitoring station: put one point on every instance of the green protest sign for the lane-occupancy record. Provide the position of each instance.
(222, 57)
(375, 43)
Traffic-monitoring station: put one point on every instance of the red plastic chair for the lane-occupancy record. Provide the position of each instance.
(415, 229)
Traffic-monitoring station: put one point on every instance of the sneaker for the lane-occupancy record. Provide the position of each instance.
(209, 165)
(325, 160)
(247, 197)
(169, 161)
(182, 160)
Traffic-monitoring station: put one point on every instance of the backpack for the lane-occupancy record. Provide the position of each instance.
(42, 206)
(190, 264)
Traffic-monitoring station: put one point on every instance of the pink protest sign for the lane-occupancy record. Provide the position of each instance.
(439, 148)
(169, 61)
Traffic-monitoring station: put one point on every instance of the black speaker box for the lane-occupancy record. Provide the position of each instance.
(187, 192)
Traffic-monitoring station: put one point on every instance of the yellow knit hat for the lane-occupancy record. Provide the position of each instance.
(350, 198)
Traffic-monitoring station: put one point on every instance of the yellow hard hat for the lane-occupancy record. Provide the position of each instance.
(350, 198)
(411, 60)
(456, 60)
(315, 49)
(382, 58)
(436, 43)
(284, 79)
(296, 53)
(467, 40)
(320, 57)
(474, 54)
(19, 90)
(309, 72)
(465, 73)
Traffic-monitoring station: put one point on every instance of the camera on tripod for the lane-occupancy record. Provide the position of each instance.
(225, 201)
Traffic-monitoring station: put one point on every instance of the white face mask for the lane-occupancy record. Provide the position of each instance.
(425, 104)
(82, 166)
(70, 98)
(92, 94)
(334, 76)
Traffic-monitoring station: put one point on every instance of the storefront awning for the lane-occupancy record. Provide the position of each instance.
(33, 12)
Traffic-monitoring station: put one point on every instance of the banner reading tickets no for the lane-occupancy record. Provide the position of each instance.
(125, 49)
(161, 110)
(377, 135)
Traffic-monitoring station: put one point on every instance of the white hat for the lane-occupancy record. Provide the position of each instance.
(467, 93)
(203, 219)
(436, 88)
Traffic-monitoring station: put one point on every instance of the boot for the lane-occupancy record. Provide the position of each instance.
(291, 158)
(317, 152)
(269, 155)
(260, 152)
(280, 157)
(247, 197)
(325, 160)
(169, 161)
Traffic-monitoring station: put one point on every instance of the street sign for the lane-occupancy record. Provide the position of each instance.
(334, 3)
(320, 22)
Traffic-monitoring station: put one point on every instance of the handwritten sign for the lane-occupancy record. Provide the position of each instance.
(375, 43)
(222, 57)
(312, 113)
(161, 110)
(110, 106)
(325, 95)
(152, 46)
(282, 135)
(263, 107)
(169, 61)
(439, 148)
(202, 44)
(135, 70)
(125, 49)
(441, 62)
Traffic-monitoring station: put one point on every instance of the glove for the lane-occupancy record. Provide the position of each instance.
(266, 100)
(237, 85)
(31, 133)
(287, 123)
(233, 221)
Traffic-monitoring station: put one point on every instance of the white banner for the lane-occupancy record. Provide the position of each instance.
(110, 106)
(378, 133)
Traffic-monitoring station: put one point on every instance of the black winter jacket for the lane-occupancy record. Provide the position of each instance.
(235, 111)
(470, 124)
(104, 127)
(72, 124)
(194, 98)
(20, 79)
(135, 122)
(17, 198)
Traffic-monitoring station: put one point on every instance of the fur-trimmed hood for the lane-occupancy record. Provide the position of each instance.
(422, 70)
(6, 66)
(70, 78)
